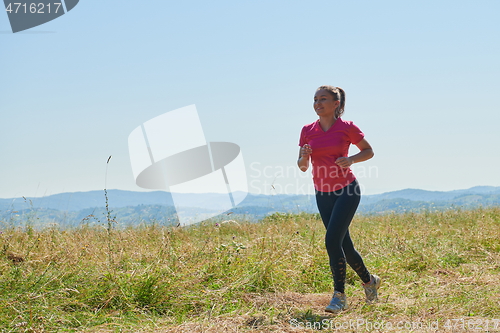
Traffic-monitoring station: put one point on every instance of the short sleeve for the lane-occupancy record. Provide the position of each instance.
(355, 134)
(302, 140)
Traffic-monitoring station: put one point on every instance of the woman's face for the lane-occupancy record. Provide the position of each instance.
(324, 104)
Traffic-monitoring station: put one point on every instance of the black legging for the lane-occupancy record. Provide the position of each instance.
(337, 210)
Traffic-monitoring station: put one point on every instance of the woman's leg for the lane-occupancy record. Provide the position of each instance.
(337, 210)
(354, 259)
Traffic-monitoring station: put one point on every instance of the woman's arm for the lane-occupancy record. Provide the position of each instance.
(365, 153)
(303, 161)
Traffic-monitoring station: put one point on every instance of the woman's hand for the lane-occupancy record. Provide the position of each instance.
(366, 152)
(344, 162)
(305, 151)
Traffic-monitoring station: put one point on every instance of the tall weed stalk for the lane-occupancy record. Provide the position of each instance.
(110, 220)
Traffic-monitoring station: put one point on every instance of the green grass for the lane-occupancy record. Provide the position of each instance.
(247, 276)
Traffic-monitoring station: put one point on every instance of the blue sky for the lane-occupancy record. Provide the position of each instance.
(420, 78)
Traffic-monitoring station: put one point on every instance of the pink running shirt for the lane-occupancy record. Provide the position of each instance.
(326, 148)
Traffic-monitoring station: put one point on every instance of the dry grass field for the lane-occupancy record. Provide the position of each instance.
(440, 271)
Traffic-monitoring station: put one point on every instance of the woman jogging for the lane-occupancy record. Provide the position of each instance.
(326, 142)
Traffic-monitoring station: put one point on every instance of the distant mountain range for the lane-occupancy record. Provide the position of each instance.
(132, 208)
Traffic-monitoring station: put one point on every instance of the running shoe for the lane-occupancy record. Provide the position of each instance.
(371, 289)
(338, 303)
